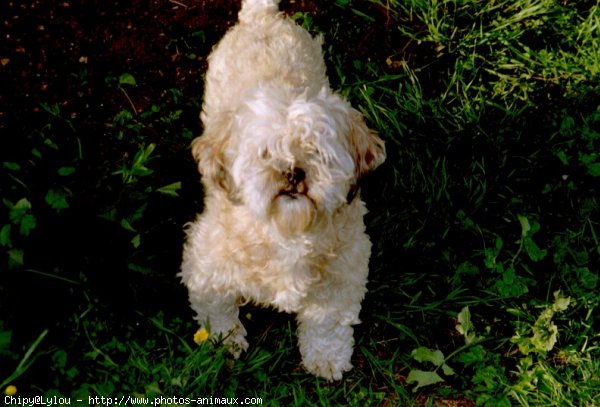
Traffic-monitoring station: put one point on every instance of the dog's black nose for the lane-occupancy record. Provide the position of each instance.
(295, 175)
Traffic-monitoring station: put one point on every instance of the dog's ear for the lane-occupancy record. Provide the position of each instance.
(209, 151)
(369, 149)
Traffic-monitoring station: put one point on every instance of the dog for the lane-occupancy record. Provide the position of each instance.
(282, 225)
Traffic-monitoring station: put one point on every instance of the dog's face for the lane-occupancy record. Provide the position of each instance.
(291, 161)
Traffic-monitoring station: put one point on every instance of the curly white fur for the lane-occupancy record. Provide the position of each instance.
(280, 157)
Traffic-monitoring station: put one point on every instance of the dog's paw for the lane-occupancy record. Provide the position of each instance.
(236, 344)
(233, 339)
(331, 368)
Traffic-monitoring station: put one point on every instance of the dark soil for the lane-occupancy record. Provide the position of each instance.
(63, 51)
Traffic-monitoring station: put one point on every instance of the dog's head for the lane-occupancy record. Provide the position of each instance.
(292, 161)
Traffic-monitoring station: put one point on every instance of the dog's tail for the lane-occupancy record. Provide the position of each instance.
(250, 7)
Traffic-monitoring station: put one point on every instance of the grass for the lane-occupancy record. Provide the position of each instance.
(484, 274)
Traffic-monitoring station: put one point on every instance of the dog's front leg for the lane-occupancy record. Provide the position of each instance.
(326, 342)
(220, 316)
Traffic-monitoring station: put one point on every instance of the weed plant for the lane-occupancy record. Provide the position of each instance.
(485, 222)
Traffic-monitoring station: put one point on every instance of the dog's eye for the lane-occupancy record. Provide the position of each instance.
(313, 151)
(264, 154)
(320, 155)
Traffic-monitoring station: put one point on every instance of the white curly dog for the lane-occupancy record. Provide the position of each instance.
(280, 157)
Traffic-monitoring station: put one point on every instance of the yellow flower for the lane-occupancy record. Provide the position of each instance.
(10, 390)
(201, 335)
